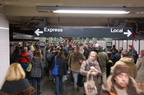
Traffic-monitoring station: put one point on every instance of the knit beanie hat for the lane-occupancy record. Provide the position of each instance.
(120, 69)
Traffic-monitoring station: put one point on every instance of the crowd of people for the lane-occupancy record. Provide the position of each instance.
(118, 72)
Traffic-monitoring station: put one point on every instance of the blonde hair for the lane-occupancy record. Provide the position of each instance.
(92, 53)
(32, 48)
(15, 72)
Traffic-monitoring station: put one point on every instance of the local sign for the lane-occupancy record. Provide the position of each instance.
(98, 32)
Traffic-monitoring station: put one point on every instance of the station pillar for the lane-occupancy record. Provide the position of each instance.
(87, 40)
(5, 46)
(43, 48)
(108, 43)
(50, 39)
(94, 40)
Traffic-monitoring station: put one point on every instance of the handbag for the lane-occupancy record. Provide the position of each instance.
(89, 85)
(55, 68)
(29, 68)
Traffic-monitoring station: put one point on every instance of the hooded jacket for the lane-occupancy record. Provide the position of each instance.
(129, 63)
(132, 88)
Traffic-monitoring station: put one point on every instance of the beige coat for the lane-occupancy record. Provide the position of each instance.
(128, 62)
(85, 67)
(140, 70)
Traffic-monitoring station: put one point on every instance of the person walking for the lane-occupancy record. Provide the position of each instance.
(140, 70)
(103, 60)
(91, 64)
(15, 82)
(120, 83)
(133, 53)
(36, 72)
(24, 59)
(126, 61)
(62, 70)
(75, 60)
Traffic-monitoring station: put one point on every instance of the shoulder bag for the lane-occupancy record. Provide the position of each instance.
(89, 85)
(29, 68)
(55, 68)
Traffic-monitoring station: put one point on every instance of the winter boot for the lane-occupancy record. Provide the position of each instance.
(38, 90)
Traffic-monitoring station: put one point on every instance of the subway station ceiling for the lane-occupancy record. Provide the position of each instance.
(23, 16)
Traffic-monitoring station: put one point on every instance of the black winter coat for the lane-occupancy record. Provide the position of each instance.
(20, 87)
(62, 66)
(133, 53)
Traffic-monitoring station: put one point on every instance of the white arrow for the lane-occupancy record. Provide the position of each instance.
(128, 33)
(38, 32)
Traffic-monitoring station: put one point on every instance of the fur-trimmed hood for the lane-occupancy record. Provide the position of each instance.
(28, 91)
(133, 88)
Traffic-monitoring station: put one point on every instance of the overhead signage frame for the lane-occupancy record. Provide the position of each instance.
(73, 31)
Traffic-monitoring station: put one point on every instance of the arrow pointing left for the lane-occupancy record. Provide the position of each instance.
(38, 32)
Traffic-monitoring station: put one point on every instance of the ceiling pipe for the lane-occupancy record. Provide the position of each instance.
(136, 24)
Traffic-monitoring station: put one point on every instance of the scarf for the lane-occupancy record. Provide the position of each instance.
(91, 62)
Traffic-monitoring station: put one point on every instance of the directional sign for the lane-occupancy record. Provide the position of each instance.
(98, 32)
(38, 32)
(128, 33)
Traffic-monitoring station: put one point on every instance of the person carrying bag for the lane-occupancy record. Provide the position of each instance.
(58, 71)
(92, 67)
(89, 85)
(55, 68)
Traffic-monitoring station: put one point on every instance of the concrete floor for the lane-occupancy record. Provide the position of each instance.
(47, 87)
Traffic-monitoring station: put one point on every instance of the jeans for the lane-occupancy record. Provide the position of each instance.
(36, 82)
(75, 76)
(58, 84)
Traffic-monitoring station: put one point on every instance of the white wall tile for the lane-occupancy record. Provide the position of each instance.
(4, 47)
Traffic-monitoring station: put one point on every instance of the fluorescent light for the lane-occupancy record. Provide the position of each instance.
(90, 12)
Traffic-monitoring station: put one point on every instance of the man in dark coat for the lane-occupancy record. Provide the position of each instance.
(133, 53)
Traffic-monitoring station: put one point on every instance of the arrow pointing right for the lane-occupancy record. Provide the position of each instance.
(128, 33)
(38, 32)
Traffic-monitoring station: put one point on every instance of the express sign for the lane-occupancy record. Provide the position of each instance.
(99, 32)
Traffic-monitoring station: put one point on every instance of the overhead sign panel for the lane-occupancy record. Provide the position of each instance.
(98, 32)
(112, 32)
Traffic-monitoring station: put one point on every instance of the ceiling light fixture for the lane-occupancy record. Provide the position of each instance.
(89, 10)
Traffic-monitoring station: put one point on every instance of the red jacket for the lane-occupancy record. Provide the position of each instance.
(25, 57)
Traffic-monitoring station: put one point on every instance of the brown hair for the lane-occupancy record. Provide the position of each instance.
(61, 54)
(37, 53)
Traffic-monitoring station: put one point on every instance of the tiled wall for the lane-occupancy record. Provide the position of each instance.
(4, 47)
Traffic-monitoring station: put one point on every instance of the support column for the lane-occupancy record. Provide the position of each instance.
(87, 40)
(108, 43)
(55, 39)
(50, 40)
(43, 48)
(82, 40)
(94, 40)
(42, 39)
(4, 48)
